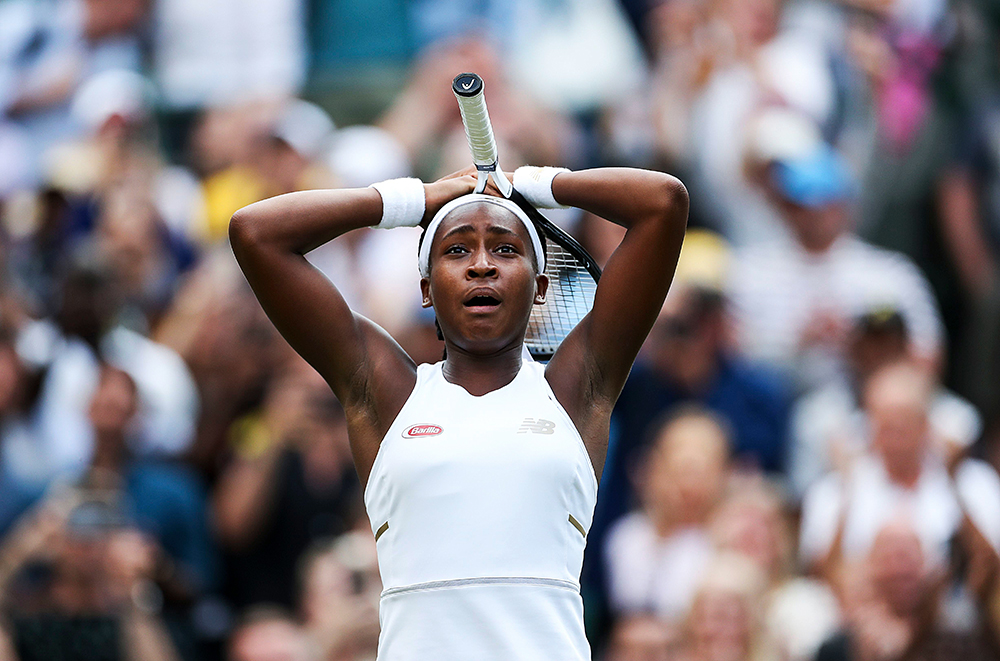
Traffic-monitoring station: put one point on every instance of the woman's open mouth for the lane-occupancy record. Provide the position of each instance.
(484, 301)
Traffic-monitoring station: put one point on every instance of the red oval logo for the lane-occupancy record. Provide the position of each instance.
(417, 431)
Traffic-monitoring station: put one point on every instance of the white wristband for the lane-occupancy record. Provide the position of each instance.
(535, 184)
(402, 202)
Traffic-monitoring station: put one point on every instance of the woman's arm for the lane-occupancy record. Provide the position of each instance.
(589, 369)
(370, 374)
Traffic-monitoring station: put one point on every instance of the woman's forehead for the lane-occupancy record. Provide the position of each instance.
(480, 217)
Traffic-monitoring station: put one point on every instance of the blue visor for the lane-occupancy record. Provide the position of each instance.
(814, 181)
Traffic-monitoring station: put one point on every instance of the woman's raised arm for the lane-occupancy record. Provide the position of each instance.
(369, 372)
(589, 369)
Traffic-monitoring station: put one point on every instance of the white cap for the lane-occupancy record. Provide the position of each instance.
(305, 127)
(116, 92)
(363, 155)
(782, 134)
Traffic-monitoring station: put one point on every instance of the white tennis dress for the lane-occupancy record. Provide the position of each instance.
(480, 507)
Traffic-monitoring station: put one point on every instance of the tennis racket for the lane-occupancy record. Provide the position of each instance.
(573, 274)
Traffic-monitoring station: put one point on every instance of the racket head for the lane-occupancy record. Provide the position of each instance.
(573, 277)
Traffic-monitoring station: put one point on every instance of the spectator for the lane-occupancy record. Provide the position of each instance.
(85, 332)
(340, 596)
(906, 59)
(797, 613)
(289, 151)
(268, 633)
(968, 191)
(716, 65)
(893, 609)
(656, 555)
(95, 596)
(110, 172)
(904, 474)
(828, 425)
(686, 359)
(642, 638)
(793, 303)
(231, 348)
(724, 623)
(290, 483)
(49, 50)
(166, 502)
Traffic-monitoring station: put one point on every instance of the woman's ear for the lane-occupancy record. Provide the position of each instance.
(541, 288)
(425, 293)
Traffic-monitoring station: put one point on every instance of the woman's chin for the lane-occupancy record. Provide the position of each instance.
(486, 343)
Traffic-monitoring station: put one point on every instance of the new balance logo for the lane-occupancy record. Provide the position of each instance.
(538, 426)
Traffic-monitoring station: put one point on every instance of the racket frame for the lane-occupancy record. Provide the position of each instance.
(469, 91)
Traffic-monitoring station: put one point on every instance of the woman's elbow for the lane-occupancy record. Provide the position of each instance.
(244, 228)
(673, 201)
(676, 194)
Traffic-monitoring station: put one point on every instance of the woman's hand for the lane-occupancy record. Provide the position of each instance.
(451, 186)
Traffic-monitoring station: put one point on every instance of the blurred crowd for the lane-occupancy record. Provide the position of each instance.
(802, 464)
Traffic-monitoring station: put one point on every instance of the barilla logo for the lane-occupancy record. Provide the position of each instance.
(416, 431)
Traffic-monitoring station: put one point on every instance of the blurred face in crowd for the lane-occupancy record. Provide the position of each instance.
(113, 403)
(107, 18)
(686, 340)
(686, 470)
(642, 639)
(129, 232)
(341, 589)
(898, 569)
(674, 24)
(754, 22)
(88, 302)
(753, 524)
(896, 401)
(269, 639)
(871, 349)
(815, 228)
(721, 625)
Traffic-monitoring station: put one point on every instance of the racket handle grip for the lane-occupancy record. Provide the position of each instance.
(468, 89)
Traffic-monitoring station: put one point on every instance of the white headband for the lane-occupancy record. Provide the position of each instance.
(424, 259)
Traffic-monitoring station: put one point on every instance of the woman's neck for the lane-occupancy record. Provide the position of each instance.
(480, 374)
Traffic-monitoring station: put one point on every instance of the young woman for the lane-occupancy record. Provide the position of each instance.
(481, 470)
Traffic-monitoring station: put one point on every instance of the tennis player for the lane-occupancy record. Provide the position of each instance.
(481, 471)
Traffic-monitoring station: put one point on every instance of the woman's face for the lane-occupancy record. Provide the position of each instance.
(482, 281)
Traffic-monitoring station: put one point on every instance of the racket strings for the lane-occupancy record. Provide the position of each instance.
(570, 297)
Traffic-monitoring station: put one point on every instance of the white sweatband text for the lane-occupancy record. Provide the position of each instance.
(402, 202)
(535, 184)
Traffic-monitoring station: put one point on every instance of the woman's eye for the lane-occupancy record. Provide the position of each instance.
(507, 249)
(454, 250)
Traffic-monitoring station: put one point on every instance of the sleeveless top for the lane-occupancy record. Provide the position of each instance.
(480, 508)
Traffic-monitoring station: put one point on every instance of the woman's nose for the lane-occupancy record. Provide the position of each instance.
(481, 266)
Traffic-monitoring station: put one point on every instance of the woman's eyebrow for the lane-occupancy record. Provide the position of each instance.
(492, 229)
(500, 229)
(459, 229)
